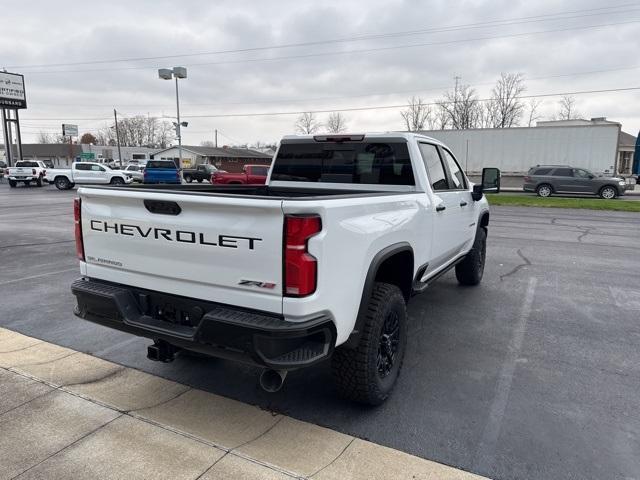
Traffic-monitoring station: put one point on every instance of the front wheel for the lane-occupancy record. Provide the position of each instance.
(368, 373)
(608, 193)
(117, 181)
(470, 270)
(62, 183)
(188, 179)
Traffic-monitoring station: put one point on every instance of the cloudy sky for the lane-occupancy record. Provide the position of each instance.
(82, 59)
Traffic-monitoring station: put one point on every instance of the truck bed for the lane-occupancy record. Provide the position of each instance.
(254, 191)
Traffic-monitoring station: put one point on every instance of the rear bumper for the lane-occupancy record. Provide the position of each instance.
(214, 329)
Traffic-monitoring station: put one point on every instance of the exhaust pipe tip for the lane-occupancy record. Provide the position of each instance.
(272, 380)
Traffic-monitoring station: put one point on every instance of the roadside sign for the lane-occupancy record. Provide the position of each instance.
(88, 156)
(12, 94)
(69, 130)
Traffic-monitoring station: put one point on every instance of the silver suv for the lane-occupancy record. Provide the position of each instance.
(548, 179)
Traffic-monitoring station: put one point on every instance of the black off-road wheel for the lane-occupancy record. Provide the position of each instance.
(62, 183)
(117, 181)
(470, 270)
(368, 373)
(13, 183)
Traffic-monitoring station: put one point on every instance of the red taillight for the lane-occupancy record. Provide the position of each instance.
(300, 269)
(77, 220)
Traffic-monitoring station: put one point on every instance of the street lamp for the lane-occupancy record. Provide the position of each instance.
(167, 74)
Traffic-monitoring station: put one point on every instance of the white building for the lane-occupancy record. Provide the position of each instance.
(594, 144)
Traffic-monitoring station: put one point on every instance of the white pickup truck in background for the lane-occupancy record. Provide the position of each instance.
(318, 263)
(86, 173)
(27, 171)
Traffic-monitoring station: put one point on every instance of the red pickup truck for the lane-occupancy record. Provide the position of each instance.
(251, 174)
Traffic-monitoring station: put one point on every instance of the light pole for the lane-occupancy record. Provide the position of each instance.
(167, 74)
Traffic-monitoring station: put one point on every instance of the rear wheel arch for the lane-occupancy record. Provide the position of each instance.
(392, 265)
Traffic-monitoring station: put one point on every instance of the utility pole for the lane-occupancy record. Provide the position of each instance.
(178, 129)
(115, 115)
(216, 138)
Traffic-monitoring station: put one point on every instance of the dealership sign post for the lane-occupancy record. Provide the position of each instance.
(12, 98)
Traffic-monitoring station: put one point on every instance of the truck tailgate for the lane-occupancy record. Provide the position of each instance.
(215, 248)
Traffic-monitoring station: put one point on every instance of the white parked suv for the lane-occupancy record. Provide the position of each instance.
(86, 173)
(320, 262)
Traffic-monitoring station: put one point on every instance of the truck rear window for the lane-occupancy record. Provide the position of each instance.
(27, 164)
(365, 163)
(166, 164)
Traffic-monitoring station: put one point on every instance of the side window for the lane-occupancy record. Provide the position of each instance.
(563, 172)
(435, 168)
(457, 177)
(260, 171)
(579, 173)
(97, 168)
(542, 171)
(83, 166)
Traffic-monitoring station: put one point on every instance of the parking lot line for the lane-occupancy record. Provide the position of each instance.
(40, 275)
(189, 433)
(486, 448)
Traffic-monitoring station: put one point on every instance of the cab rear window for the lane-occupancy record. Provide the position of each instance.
(162, 164)
(27, 164)
(360, 163)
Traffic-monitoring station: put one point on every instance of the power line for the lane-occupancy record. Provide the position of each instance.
(382, 107)
(362, 37)
(347, 52)
(341, 97)
(350, 109)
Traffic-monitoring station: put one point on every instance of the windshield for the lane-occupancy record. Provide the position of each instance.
(364, 163)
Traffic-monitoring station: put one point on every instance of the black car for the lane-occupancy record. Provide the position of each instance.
(546, 180)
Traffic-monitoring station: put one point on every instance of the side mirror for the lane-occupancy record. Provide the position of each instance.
(490, 183)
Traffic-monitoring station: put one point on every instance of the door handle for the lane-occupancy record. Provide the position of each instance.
(463, 203)
(440, 208)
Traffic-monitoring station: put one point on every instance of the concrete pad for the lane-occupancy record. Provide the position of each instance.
(40, 352)
(72, 370)
(42, 427)
(131, 449)
(16, 390)
(298, 447)
(130, 389)
(225, 422)
(232, 467)
(367, 461)
(12, 341)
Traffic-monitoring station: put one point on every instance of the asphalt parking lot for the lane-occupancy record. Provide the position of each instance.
(533, 374)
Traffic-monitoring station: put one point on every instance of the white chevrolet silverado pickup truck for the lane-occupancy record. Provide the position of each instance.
(86, 173)
(318, 263)
(27, 171)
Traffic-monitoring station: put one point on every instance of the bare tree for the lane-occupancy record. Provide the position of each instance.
(534, 116)
(307, 123)
(138, 131)
(568, 108)
(44, 137)
(336, 123)
(461, 107)
(416, 115)
(506, 107)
